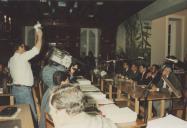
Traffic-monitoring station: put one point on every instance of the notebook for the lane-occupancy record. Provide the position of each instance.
(10, 123)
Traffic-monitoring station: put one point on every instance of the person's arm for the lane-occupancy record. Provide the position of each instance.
(38, 39)
(36, 49)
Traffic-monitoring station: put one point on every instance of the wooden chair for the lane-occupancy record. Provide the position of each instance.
(37, 104)
(179, 107)
(6, 99)
(48, 121)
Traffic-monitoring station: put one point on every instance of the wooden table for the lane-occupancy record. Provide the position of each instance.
(136, 124)
(24, 115)
(137, 94)
(109, 82)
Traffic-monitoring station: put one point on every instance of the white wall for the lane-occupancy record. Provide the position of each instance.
(158, 40)
(184, 13)
(159, 37)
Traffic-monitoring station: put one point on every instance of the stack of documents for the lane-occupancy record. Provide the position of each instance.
(118, 115)
(169, 121)
(84, 82)
(95, 95)
(98, 100)
(89, 88)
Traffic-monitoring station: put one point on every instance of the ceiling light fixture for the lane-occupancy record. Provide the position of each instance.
(75, 5)
(99, 3)
(91, 15)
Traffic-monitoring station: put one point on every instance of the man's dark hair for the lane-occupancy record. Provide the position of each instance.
(17, 45)
(59, 76)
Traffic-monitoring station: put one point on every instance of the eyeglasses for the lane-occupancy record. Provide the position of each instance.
(75, 69)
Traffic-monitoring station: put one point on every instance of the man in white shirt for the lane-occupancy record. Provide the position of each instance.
(21, 73)
(66, 105)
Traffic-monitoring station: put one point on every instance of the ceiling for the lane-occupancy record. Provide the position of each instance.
(71, 12)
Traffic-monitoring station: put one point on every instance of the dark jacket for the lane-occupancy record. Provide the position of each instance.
(173, 79)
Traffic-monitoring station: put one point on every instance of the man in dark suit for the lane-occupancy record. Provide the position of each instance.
(144, 77)
(134, 74)
(126, 69)
(167, 72)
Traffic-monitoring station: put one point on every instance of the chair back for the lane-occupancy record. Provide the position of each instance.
(6, 99)
(48, 121)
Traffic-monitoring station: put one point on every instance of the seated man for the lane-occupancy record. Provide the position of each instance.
(72, 70)
(134, 74)
(59, 78)
(167, 72)
(48, 71)
(126, 70)
(66, 109)
(144, 77)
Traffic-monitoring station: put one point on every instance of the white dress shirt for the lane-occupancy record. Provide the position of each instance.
(20, 68)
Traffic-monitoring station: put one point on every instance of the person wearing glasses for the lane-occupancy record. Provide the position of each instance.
(21, 72)
(72, 72)
(66, 107)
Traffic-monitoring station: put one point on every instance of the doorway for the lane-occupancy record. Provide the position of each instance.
(175, 37)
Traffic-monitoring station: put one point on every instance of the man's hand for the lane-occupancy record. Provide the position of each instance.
(39, 34)
(154, 88)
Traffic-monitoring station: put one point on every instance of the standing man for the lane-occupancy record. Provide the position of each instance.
(21, 73)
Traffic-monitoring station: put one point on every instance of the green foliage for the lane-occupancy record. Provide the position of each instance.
(137, 35)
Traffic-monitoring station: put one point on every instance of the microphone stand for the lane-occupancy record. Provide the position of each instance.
(146, 93)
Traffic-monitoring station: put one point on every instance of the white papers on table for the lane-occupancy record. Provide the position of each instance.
(118, 115)
(95, 95)
(89, 88)
(84, 82)
(98, 102)
(169, 121)
(104, 101)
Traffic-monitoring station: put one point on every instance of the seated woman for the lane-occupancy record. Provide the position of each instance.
(59, 78)
(67, 110)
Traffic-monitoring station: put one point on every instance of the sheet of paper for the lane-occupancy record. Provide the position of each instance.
(118, 115)
(95, 95)
(89, 88)
(104, 101)
(84, 82)
(169, 121)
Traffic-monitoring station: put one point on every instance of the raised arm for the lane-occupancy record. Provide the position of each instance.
(38, 39)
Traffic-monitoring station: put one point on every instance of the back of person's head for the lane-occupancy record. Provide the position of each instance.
(59, 76)
(17, 45)
(67, 97)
